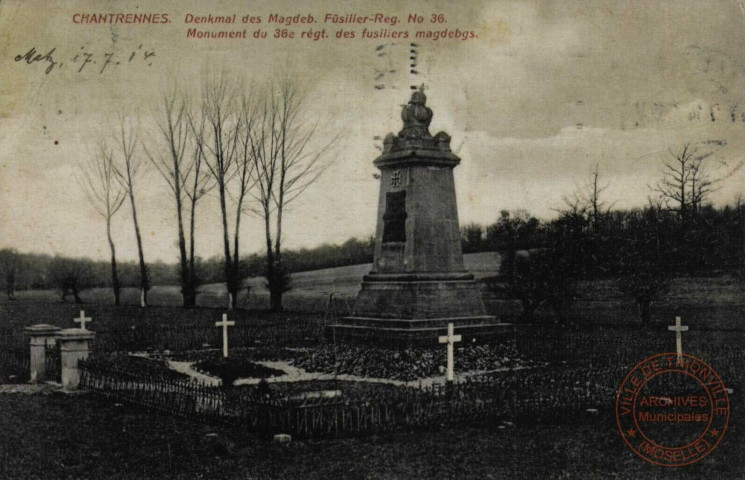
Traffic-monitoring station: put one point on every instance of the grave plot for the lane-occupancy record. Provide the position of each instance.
(321, 389)
(304, 392)
(375, 364)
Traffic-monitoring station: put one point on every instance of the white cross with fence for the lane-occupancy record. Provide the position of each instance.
(678, 329)
(224, 324)
(450, 339)
(82, 320)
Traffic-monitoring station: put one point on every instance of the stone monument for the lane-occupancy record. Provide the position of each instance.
(418, 283)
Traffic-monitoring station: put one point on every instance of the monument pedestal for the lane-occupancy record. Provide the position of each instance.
(414, 310)
(419, 296)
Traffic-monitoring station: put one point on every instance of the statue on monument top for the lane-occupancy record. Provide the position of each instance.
(416, 116)
(415, 134)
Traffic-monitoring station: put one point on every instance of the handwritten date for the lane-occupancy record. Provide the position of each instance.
(86, 60)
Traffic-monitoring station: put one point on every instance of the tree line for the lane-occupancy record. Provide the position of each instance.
(70, 276)
(678, 227)
(678, 232)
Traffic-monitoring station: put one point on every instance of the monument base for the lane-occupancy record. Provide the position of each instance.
(415, 309)
(358, 330)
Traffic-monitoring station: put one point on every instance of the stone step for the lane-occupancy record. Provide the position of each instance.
(418, 323)
(423, 336)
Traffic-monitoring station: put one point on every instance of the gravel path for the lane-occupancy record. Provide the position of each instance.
(30, 388)
(185, 368)
(295, 374)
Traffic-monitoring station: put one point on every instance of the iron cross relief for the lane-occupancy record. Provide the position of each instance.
(396, 178)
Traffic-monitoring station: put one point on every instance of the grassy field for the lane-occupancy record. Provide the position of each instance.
(84, 437)
(309, 289)
(706, 302)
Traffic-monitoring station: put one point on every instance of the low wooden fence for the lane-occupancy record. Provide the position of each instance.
(599, 346)
(511, 394)
(52, 362)
(14, 357)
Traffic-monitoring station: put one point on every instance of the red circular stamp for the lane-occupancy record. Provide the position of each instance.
(672, 412)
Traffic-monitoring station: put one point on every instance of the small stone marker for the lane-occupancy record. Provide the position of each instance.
(74, 346)
(282, 438)
(450, 339)
(678, 328)
(224, 324)
(41, 337)
(83, 320)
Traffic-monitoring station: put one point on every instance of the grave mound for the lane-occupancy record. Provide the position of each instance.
(230, 369)
(406, 364)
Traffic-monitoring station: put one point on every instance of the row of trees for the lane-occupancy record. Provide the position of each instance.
(30, 271)
(685, 231)
(24, 271)
(712, 242)
(252, 145)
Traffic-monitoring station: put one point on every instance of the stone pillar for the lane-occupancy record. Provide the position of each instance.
(74, 346)
(42, 335)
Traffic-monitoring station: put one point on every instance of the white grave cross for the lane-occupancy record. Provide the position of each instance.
(450, 339)
(678, 328)
(82, 320)
(224, 324)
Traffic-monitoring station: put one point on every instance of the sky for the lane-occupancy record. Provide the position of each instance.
(543, 92)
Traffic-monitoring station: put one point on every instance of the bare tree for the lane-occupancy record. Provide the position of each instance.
(588, 201)
(106, 194)
(70, 276)
(286, 165)
(128, 171)
(197, 184)
(244, 174)
(598, 208)
(674, 185)
(219, 147)
(174, 165)
(9, 264)
(691, 175)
